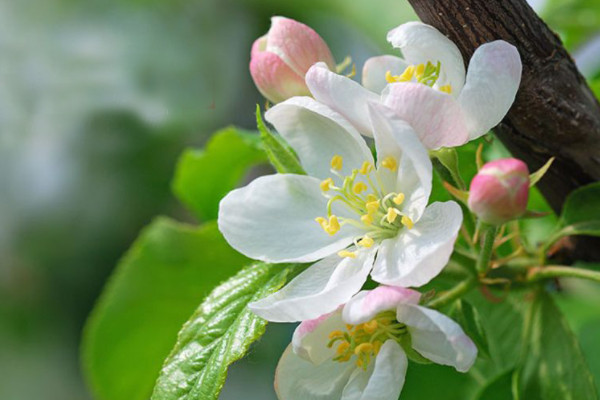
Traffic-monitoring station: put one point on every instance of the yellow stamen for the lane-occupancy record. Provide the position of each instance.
(342, 348)
(336, 334)
(326, 184)
(390, 78)
(398, 199)
(372, 206)
(419, 71)
(367, 219)
(363, 348)
(371, 197)
(407, 74)
(366, 241)
(337, 162)
(377, 346)
(370, 326)
(407, 222)
(333, 226)
(346, 253)
(446, 89)
(322, 221)
(366, 168)
(391, 215)
(359, 363)
(359, 187)
(349, 327)
(390, 163)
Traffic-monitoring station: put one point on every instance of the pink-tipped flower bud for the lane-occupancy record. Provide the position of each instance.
(500, 190)
(279, 60)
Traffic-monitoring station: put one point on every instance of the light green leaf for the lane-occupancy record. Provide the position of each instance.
(589, 228)
(217, 334)
(154, 289)
(553, 364)
(281, 156)
(582, 205)
(203, 177)
(468, 318)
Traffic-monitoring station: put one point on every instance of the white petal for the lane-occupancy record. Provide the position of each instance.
(318, 290)
(418, 255)
(383, 380)
(273, 219)
(317, 133)
(365, 305)
(493, 79)
(297, 379)
(395, 138)
(342, 94)
(436, 116)
(437, 337)
(311, 337)
(421, 43)
(375, 68)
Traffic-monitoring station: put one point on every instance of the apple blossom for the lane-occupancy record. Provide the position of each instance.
(353, 214)
(428, 88)
(280, 59)
(500, 190)
(360, 351)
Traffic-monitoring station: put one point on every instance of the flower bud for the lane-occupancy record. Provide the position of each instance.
(499, 191)
(279, 60)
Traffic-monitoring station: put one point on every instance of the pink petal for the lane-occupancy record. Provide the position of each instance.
(274, 78)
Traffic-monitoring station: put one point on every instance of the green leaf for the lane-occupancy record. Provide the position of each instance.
(468, 318)
(217, 334)
(589, 228)
(582, 205)
(154, 289)
(499, 388)
(553, 364)
(281, 156)
(203, 177)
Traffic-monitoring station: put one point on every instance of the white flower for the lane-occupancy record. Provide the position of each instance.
(359, 353)
(353, 215)
(428, 88)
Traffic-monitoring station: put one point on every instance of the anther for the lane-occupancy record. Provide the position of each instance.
(347, 254)
(398, 199)
(406, 221)
(359, 187)
(371, 326)
(326, 184)
(390, 163)
(407, 74)
(446, 89)
(337, 162)
(391, 215)
(366, 219)
(363, 348)
(366, 168)
(372, 206)
(366, 241)
(333, 225)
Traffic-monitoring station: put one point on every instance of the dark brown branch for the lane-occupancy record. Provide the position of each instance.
(555, 112)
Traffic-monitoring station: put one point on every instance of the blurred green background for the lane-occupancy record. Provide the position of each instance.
(97, 101)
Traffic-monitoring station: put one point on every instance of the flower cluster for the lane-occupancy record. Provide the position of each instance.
(354, 215)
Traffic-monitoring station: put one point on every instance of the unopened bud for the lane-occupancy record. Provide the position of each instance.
(279, 60)
(499, 191)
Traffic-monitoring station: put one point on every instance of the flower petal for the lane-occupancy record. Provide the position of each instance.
(312, 336)
(317, 133)
(383, 380)
(395, 138)
(435, 116)
(365, 305)
(418, 255)
(298, 379)
(421, 43)
(318, 290)
(375, 68)
(437, 337)
(274, 79)
(273, 219)
(342, 94)
(493, 79)
(297, 44)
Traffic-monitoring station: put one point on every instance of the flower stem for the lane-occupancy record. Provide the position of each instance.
(487, 246)
(453, 294)
(555, 271)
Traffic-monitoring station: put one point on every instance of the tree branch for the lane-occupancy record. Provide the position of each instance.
(555, 112)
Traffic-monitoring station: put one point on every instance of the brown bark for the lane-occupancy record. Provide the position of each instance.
(555, 112)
